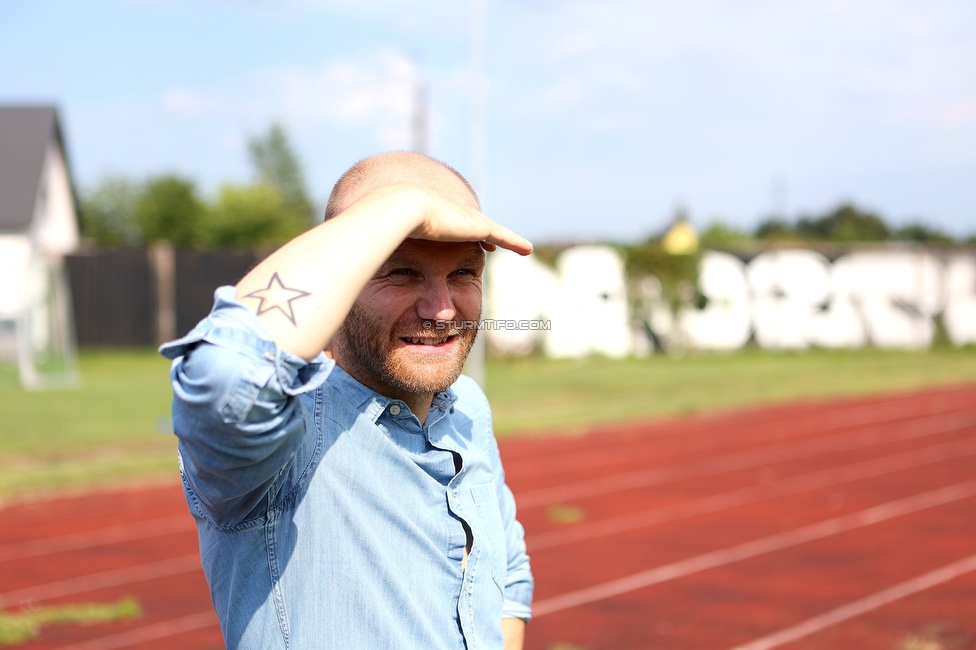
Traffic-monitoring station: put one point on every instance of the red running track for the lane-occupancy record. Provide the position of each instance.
(815, 525)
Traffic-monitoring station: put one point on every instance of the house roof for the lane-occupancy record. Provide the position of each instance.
(25, 132)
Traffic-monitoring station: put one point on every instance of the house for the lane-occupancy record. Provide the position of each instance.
(38, 227)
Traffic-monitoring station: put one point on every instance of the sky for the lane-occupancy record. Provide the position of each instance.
(602, 118)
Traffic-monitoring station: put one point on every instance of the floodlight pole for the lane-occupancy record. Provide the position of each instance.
(476, 136)
(475, 365)
(421, 121)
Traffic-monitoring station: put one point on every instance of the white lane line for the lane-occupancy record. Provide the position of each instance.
(98, 537)
(148, 633)
(864, 605)
(610, 450)
(180, 523)
(847, 417)
(756, 548)
(93, 581)
(742, 496)
(743, 460)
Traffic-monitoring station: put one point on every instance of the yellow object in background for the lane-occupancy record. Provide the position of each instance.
(680, 239)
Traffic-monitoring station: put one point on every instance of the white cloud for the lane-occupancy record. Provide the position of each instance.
(374, 91)
(573, 44)
(898, 61)
(701, 99)
(957, 114)
(411, 16)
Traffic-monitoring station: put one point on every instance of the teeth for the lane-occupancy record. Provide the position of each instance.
(425, 341)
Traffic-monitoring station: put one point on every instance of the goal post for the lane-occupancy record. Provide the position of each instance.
(37, 334)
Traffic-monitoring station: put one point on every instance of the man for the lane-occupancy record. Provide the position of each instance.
(356, 501)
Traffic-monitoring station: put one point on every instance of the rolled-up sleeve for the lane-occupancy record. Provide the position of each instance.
(519, 584)
(236, 410)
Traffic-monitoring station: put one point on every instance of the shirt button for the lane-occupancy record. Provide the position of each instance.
(395, 410)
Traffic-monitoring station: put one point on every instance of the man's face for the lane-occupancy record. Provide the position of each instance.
(390, 340)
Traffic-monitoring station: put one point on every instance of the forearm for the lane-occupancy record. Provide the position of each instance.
(513, 629)
(326, 268)
(330, 264)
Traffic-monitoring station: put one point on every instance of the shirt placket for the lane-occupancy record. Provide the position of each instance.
(461, 509)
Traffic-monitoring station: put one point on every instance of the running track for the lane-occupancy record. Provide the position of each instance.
(848, 524)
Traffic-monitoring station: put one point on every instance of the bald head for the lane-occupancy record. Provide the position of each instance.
(398, 167)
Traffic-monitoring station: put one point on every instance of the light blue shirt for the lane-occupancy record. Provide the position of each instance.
(328, 517)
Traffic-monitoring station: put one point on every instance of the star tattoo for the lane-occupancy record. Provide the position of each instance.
(277, 296)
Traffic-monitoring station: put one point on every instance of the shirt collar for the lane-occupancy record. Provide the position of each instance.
(368, 401)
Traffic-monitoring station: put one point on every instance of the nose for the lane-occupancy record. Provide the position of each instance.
(436, 302)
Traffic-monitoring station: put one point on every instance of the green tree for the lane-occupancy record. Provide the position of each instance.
(678, 274)
(775, 229)
(108, 213)
(846, 223)
(919, 232)
(251, 215)
(277, 165)
(169, 209)
(719, 233)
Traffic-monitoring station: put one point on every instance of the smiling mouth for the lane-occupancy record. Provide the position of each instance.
(416, 340)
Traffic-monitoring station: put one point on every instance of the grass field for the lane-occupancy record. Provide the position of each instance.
(536, 394)
(107, 429)
(115, 426)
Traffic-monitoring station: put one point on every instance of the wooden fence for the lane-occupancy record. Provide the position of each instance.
(141, 298)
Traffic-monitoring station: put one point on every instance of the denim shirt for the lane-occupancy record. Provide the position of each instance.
(328, 517)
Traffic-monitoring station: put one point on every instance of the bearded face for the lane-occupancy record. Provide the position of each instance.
(413, 325)
(407, 356)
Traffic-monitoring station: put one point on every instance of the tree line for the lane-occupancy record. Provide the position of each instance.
(121, 212)
(845, 223)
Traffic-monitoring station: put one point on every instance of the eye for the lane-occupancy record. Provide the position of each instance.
(404, 276)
